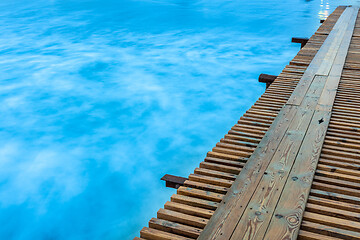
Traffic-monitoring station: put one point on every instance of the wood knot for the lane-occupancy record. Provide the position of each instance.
(293, 220)
(295, 178)
(279, 216)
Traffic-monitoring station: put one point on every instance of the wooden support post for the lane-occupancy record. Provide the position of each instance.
(303, 41)
(266, 78)
(173, 181)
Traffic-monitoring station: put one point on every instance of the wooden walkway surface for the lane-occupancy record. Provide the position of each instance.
(290, 167)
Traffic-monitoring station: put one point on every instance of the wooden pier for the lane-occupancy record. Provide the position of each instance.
(290, 167)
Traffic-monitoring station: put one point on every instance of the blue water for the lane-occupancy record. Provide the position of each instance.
(99, 99)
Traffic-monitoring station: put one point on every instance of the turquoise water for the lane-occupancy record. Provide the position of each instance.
(102, 98)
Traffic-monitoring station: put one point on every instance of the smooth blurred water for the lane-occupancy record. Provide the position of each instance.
(99, 99)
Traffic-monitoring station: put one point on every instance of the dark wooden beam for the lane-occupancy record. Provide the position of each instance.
(266, 78)
(173, 181)
(303, 41)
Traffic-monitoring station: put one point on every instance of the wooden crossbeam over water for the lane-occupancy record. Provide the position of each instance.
(290, 167)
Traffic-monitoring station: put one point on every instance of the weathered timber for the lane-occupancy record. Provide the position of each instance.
(173, 181)
(266, 78)
(303, 41)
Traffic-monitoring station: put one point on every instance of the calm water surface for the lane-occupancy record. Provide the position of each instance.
(99, 99)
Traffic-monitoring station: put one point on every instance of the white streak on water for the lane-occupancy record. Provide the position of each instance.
(93, 114)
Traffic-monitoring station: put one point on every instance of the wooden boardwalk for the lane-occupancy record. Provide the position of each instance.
(290, 167)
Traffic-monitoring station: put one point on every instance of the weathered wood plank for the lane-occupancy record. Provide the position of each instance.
(258, 213)
(332, 232)
(175, 228)
(287, 217)
(305, 235)
(335, 68)
(182, 218)
(306, 80)
(190, 210)
(341, 27)
(221, 224)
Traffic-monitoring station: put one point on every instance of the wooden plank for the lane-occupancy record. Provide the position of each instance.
(312, 94)
(257, 215)
(306, 80)
(341, 27)
(335, 69)
(253, 223)
(173, 181)
(333, 212)
(190, 210)
(329, 231)
(340, 197)
(206, 195)
(211, 180)
(338, 204)
(215, 173)
(221, 224)
(220, 167)
(176, 228)
(182, 218)
(154, 234)
(205, 186)
(309, 102)
(195, 202)
(334, 222)
(287, 217)
(305, 235)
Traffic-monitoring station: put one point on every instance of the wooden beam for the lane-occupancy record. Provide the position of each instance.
(303, 41)
(266, 78)
(173, 181)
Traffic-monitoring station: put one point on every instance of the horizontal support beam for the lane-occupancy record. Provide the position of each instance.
(266, 78)
(173, 181)
(303, 41)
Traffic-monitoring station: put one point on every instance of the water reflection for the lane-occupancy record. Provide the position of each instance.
(324, 10)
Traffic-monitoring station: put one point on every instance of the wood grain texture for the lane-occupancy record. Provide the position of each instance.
(254, 222)
(225, 219)
(322, 62)
(287, 217)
